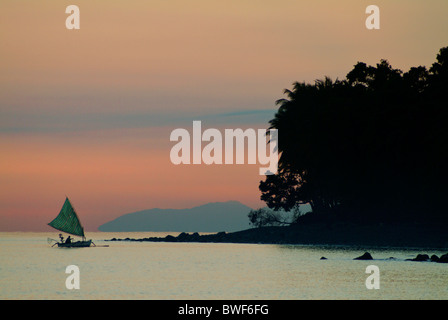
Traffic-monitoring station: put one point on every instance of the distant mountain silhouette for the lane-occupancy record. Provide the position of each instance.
(212, 217)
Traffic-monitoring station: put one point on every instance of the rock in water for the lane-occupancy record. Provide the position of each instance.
(421, 257)
(443, 258)
(435, 258)
(365, 256)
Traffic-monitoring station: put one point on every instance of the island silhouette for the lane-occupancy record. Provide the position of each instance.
(210, 217)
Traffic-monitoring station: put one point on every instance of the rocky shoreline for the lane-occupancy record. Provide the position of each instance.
(400, 236)
(420, 257)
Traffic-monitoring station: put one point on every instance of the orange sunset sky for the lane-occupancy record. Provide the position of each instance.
(88, 113)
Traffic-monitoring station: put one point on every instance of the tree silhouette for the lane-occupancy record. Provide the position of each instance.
(372, 147)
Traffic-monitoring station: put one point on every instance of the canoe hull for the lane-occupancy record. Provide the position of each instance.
(77, 244)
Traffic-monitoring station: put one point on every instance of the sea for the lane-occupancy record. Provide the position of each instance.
(32, 269)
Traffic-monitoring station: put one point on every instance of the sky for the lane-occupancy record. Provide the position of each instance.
(88, 113)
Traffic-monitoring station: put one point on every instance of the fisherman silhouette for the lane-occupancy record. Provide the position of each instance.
(69, 240)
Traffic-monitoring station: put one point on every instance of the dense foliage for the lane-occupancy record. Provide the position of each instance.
(372, 147)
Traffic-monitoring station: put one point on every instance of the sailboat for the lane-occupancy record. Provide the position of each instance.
(67, 221)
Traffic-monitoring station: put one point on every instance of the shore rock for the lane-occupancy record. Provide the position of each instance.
(443, 258)
(421, 257)
(365, 256)
(170, 238)
(435, 258)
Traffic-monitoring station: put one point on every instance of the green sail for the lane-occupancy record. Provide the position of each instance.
(68, 221)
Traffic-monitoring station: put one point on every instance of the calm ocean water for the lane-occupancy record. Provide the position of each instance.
(31, 269)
